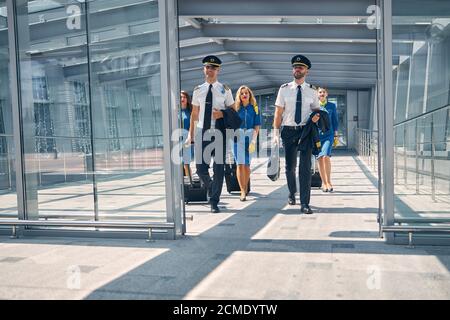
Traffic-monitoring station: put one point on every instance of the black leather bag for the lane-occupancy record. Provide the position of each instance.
(316, 180)
(273, 166)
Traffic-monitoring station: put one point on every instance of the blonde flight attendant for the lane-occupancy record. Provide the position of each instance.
(247, 134)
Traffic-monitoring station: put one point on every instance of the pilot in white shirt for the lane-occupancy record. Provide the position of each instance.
(222, 98)
(287, 96)
(295, 102)
(208, 99)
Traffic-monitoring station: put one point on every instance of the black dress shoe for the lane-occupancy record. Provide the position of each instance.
(306, 209)
(215, 208)
(291, 201)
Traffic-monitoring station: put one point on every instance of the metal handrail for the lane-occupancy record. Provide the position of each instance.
(421, 115)
(407, 220)
(412, 229)
(104, 224)
(367, 146)
(97, 138)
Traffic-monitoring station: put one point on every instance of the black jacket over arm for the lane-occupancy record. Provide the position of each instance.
(231, 119)
(310, 132)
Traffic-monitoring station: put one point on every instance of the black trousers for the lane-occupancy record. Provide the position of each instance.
(215, 184)
(290, 139)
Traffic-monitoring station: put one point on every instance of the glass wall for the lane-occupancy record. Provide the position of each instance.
(8, 195)
(126, 94)
(91, 109)
(421, 42)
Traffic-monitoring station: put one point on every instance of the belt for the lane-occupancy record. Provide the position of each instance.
(293, 127)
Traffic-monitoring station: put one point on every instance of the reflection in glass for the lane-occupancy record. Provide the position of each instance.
(81, 59)
(422, 112)
(8, 195)
(55, 110)
(126, 97)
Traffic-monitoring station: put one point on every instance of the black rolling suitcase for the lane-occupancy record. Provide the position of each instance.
(231, 179)
(316, 181)
(194, 190)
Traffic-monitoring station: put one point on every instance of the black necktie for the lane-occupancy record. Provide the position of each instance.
(298, 106)
(208, 109)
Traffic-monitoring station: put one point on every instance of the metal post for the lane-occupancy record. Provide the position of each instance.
(39, 168)
(417, 157)
(64, 163)
(170, 93)
(14, 233)
(410, 240)
(9, 167)
(357, 141)
(149, 239)
(365, 145)
(368, 148)
(405, 178)
(387, 116)
(369, 141)
(396, 164)
(91, 112)
(433, 178)
(372, 151)
(374, 160)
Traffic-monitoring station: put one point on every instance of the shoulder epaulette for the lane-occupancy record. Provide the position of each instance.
(312, 87)
(284, 85)
(226, 87)
(197, 87)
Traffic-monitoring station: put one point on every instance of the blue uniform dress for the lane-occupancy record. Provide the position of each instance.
(251, 118)
(326, 138)
(188, 152)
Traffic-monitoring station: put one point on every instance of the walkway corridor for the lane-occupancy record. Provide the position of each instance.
(259, 249)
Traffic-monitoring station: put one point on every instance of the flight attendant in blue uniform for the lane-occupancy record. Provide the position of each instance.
(327, 140)
(186, 109)
(245, 146)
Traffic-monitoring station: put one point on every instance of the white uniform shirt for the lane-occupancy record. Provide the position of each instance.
(222, 98)
(287, 98)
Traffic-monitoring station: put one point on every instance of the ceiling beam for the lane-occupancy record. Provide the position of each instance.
(286, 66)
(288, 48)
(241, 68)
(315, 58)
(287, 8)
(317, 33)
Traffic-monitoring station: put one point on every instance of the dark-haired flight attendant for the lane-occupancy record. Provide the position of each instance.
(186, 109)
